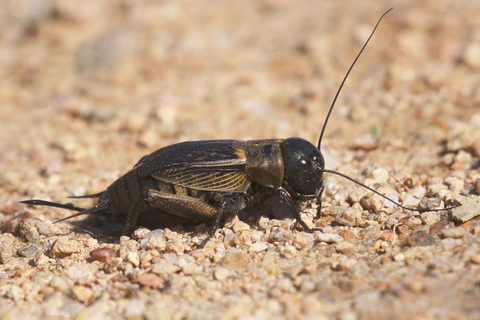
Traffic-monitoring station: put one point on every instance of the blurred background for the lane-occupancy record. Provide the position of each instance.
(88, 87)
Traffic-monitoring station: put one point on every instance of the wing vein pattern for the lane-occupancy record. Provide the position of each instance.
(214, 165)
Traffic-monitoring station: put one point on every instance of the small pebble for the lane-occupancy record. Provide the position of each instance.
(242, 238)
(357, 194)
(303, 240)
(189, 268)
(164, 268)
(78, 270)
(64, 247)
(411, 201)
(342, 246)
(40, 259)
(101, 254)
(468, 210)
(456, 232)
(419, 191)
(140, 233)
(347, 235)
(279, 235)
(388, 236)
(31, 249)
(258, 247)
(380, 175)
(328, 237)
(475, 259)
(471, 55)
(449, 241)
(433, 190)
(399, 257)
(456, 184)
(151, 280)
(28, 227)
(366, 143)
(59, 284)
(43, 278)
(377, 245)
(375, 203)
(350, 217)
(476, 228)
(133, 258)
(221, 273)
(240, 226)
(154, 242)
(124, 239)
(184, 260)
(463, 157)
(289, 251)
(371, 231)
(82, 294)
(430, 217)
(176, 246)
(391, 196)
(412, 222)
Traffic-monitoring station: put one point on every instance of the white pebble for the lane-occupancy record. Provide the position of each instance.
(133, 258)
(289, 251)
(380, 175)
(328, 237)
(399, 257)
(258, 247)
(457, 232)
(221, 273)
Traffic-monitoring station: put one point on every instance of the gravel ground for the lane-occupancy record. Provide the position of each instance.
(88, 88)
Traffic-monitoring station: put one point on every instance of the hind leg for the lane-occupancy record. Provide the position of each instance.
(196, 209)
(132, 218)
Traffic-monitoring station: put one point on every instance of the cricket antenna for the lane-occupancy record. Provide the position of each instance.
(382, 195)
(345, 78)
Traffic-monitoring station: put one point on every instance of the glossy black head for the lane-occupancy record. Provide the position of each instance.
(304, 167)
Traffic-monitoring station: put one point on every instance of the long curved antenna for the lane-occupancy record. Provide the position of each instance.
(383, 196)
(345, 78)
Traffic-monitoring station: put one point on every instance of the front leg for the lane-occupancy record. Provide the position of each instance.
(295, 207)
(319, 202)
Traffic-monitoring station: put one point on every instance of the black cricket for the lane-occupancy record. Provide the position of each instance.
(208, 180)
